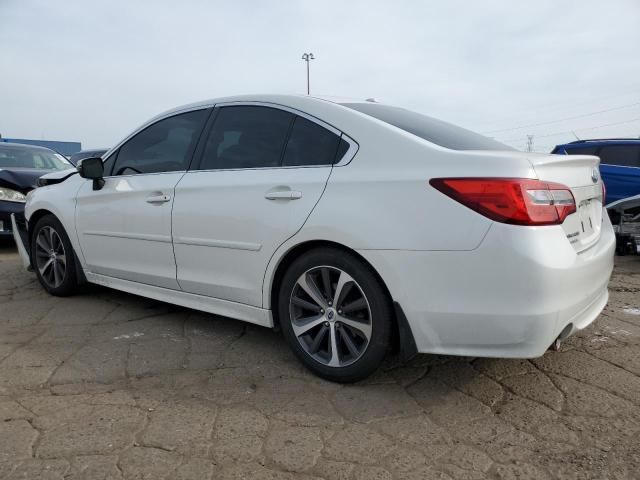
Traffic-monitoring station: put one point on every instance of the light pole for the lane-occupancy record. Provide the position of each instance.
(307, 57)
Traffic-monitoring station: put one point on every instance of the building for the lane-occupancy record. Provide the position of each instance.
(65, 148)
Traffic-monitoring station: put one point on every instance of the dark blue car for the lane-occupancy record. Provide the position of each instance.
(20, 168)
(619, 163)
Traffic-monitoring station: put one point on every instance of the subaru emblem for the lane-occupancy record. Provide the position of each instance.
(594, 175)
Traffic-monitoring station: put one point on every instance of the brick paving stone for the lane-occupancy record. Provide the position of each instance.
(17, 438)
(294, 449)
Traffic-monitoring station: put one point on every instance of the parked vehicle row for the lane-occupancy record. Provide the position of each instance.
(355, 227)
(625, 216)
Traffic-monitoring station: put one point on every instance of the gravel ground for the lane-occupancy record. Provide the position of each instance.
(107, 385)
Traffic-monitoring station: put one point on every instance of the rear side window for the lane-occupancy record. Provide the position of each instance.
(430, 129)
(165, 146)
(621, 155)
(246, 137)
(310, 144)
(581, 151)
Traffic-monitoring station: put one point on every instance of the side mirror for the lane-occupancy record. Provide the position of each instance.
(93, 169)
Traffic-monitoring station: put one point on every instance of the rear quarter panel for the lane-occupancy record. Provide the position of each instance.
(382, 199)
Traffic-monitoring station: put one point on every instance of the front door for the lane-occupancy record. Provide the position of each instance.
(124, 229)
(261, 173)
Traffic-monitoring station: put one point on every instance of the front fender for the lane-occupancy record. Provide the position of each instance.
(59, 200)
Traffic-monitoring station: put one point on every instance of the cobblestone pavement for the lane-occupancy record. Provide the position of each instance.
(107, 385)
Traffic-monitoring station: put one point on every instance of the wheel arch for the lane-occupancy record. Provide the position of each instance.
(400, 342)
(31, 223)
(37, 215)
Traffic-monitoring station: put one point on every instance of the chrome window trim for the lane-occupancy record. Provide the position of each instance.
(350, 153)
(150, 173)
(283, 167)
(346, 158)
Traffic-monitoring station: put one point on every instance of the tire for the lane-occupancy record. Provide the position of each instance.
(53, 257)
(358, 324)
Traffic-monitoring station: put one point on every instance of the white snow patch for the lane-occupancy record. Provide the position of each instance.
(618, 331)
(126, 336)
(631, 311)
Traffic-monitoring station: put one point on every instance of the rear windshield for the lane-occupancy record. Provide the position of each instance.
(435, 131)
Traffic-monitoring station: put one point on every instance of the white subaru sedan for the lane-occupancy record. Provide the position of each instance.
(355, 227)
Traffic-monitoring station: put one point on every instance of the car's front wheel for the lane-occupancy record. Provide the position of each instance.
(53, 258)
(335, 314)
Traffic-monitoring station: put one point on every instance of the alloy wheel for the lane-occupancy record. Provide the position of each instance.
(330, 316)
(51, 259)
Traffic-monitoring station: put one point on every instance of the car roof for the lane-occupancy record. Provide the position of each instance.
(24, 146)
(597, 142)
(265, 98)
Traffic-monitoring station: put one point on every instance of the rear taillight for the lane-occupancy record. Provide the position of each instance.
(518, 201)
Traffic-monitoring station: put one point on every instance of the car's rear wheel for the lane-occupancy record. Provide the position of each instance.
(53, 258)
(335, 314)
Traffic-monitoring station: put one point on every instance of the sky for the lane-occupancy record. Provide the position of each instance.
(93, 70)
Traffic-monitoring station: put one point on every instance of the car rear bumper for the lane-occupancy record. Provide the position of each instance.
(510, 297)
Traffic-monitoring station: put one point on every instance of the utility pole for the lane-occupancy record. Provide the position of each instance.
(529, 143)
(307, 57)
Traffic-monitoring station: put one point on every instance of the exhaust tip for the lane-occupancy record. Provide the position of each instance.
(564, 334)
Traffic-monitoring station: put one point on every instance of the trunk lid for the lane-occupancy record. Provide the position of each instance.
(581, 174)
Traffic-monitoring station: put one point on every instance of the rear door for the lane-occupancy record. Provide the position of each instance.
(261, 172)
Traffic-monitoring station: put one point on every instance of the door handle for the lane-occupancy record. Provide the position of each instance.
(162, 198)
(283, 195)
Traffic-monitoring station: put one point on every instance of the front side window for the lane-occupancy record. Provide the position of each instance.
(109, 162)
(621, 155)
(246, 137)
(310, 144)
(165, 146)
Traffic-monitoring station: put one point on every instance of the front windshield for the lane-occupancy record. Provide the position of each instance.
(36, 158)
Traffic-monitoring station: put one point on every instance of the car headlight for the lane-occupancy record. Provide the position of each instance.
(9, 195)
